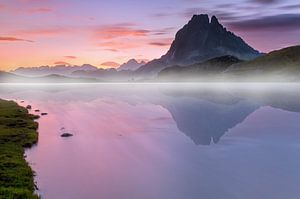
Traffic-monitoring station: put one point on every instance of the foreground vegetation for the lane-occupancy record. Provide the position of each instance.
(17, 131)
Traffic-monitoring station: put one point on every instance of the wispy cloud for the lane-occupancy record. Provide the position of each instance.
(111, 64)
(264, 1)
(161, 42)
(163, 31)
(290, 7)
(119, 30)
(112, 49)
(114, 46)
(70, 57)
(62, 63)
(12, 39)
(284, 22)
(40, 10)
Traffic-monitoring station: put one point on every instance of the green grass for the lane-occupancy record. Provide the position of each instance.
(17, 131)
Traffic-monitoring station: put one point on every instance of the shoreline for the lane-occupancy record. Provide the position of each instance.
(18, 131)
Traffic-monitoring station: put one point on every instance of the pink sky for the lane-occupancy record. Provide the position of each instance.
(49, 32)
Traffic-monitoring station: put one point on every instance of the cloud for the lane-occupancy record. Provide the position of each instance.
(119, 30)
(110, 64)
(290, 7)
(225, 5)
(112, 49)
(264, 1)
(159, 44)
(112, 45)
(40, 10)
(70, 57)
(62, 63)
(13, 39)
(163, 31)
(283, 22)
(161, 15)
(220, 14)
(162, 42)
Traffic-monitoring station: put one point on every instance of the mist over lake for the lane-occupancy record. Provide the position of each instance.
(168, 141)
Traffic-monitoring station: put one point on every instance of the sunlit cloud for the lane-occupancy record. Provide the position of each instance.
(110, 64)
(13, 39)
(119, 30)
(70, 57)
(92, 29)
(122, 45)
(62, 63)
(111, 50)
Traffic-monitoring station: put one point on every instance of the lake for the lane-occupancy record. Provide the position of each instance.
(165, 141)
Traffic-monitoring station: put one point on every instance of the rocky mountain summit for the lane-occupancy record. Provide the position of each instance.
(199, 40)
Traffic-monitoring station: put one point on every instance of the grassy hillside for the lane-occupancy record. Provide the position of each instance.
(17, 131)
(281, 64)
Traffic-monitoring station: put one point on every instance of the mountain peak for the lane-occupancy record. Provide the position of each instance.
(132, 61)
(199, 20)
(214, 21)
(202, 39)
(131, 64)
(199, 40)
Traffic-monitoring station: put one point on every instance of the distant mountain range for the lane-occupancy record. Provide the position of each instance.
(132, 65)
(203, 50)
(76, 71)
(52, 70)
(105, 74)
(6, 77)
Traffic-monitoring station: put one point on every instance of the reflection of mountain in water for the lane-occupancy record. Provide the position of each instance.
(206, 115)
(203, 113)
(204, 121)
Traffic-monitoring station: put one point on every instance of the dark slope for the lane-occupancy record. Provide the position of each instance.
(198, 72)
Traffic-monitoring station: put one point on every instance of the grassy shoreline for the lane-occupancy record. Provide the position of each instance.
(18, 130)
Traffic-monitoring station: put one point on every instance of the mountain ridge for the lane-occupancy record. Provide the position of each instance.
(200, 40)
(131, 64)
(49, 70)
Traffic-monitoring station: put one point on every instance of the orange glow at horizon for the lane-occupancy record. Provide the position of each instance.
(44, 34)
(48, 32)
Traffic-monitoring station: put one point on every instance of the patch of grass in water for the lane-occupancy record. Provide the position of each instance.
(18, 130)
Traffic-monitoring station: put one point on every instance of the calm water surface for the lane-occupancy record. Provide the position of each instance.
(163, 141)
